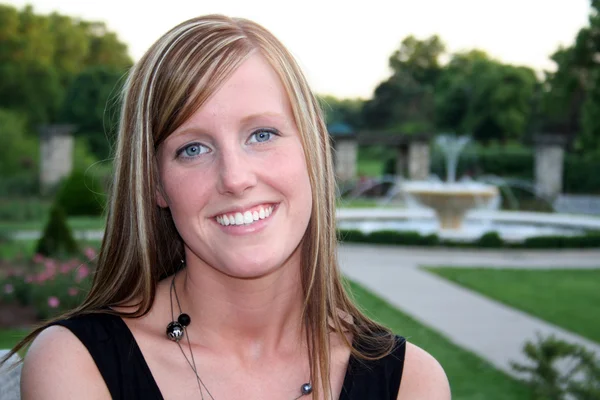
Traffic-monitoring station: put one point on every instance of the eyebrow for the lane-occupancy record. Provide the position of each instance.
(268, 114)
(248, 119)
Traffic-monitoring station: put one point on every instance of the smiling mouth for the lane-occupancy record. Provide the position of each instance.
(246, 218)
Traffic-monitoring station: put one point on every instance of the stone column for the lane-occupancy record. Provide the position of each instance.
(549, 160)
(345, 155)
(418, 160)
(56, 151)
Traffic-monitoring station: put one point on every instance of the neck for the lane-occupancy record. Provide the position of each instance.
(252, 317)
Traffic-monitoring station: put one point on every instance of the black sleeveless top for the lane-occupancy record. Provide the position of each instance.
(127, 376)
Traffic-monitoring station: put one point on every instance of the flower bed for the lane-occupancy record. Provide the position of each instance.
(50, 286)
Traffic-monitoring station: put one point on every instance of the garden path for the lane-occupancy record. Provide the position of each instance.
(492, 330)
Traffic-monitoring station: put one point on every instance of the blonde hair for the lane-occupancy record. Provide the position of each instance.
(141, 245)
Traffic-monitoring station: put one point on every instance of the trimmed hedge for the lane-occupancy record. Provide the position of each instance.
(487, 240)
(81, 195)
(57, 238)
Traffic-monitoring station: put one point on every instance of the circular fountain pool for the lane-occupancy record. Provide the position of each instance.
(512, 226)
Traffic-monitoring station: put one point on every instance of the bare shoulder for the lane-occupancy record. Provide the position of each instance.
(423, 377)
(58, 366)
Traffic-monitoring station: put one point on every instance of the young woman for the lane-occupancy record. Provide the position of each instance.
(217, 277)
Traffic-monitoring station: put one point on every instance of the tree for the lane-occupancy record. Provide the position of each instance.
(91, 104)
(18, 152)
(347, 111)
(41, 55)
(419, 59)
(484, 98)
(570, 97)
(405, 101)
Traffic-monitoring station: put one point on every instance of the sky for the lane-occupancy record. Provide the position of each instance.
(344, 45)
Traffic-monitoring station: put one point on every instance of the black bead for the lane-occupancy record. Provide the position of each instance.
(184, 319)
(175, 331)
(306, 389)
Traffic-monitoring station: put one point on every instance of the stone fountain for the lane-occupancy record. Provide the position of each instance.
(450, 199)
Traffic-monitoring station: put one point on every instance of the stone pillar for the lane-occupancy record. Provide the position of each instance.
(549, 160)
(56, 148)
(418, 161)
(345, 155)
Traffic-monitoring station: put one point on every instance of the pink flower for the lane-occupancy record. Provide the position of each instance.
(90, 253)
(8, 288)
(82, 272)
(50, 265)
(38, 258)
(73, 291)
(28, 279)
(53, 302)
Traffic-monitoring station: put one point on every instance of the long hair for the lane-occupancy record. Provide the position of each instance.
(141, 245)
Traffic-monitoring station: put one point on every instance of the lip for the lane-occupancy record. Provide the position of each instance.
(256, 226)
(242, 209)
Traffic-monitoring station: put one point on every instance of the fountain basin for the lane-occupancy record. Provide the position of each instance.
(451, 201)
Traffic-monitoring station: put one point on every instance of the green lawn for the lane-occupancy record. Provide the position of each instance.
(568, 298)
(357, 203)
(373, 168)
(470, 377)
(9, 338)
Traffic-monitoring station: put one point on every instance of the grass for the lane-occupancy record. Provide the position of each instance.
(373, 168)
(76, 223)
(26, 248)
(10, 337)
(568, 298)
(357, 203)
(471, 378)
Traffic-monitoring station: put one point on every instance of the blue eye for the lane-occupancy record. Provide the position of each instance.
(261, 136)
(192, 150)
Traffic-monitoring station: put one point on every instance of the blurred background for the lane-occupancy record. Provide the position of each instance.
(465, 125)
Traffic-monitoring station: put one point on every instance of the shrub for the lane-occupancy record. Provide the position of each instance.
(80, 195)
(20, 184)
(23, 209)
(580, 381)
(490, 240)
(50, 285)
(57, 238)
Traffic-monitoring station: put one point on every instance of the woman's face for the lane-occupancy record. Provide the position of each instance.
(234, 176)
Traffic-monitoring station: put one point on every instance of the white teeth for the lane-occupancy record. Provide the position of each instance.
(239, 218)
(248, 217)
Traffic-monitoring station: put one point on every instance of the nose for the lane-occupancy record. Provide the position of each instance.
(236, 172)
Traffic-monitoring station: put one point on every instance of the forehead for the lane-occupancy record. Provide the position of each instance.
(253, 88)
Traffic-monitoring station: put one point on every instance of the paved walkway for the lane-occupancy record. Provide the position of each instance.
(490, 329)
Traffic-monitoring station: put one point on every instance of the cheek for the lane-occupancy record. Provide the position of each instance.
(183, 189)
(294, 173)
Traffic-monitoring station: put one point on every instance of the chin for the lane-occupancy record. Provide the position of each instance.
(252, 268)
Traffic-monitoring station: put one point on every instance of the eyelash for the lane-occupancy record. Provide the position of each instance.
(180, 152)
(264, 130)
